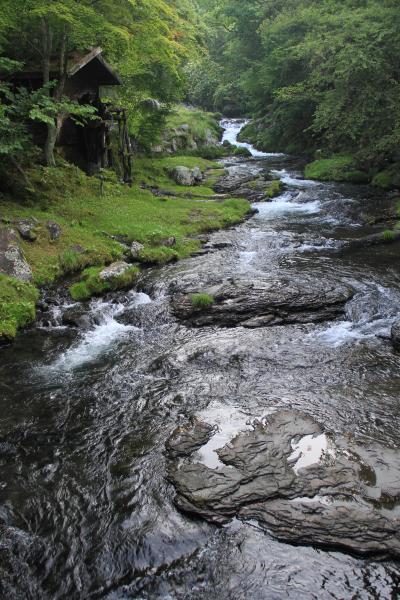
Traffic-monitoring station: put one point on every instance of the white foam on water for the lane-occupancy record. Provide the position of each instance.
(103, 336)
(346, 332)
(233, 128)
(308, 451)
(287, 179)
(229, 422)
(284, 205)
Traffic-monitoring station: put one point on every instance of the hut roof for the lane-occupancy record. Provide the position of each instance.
(77, 61)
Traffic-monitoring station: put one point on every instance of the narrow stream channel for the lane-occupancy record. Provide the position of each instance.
(85, 507)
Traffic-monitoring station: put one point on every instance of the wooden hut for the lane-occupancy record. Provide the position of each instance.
(87, 146)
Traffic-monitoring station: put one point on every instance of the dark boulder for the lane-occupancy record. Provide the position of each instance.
(263, 303)
(77, 316)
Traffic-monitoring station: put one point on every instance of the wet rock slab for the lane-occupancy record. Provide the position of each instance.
(262, 303)
(301, 484)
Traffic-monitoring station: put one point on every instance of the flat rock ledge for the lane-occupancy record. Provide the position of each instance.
(263, 303)
(301, 484)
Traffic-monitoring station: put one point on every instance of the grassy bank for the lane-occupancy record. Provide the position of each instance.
(336, 168)
(98, 229)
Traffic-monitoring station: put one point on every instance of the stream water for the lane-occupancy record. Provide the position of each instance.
(85, 507)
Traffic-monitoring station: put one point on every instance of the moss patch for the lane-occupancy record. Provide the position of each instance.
(337, 168)
(274, 189)
(158, 256)
(17, 306)
(201, 301)
(91, 284)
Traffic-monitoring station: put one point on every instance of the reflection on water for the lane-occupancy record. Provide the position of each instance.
(86, 510)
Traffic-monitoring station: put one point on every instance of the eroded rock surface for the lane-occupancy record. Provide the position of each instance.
(263, 303)
(301, 484)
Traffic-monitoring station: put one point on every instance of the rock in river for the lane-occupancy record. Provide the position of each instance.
(395, 335)
(302, 484)
(263, 303)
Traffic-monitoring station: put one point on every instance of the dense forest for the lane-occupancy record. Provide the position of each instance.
(318, 74)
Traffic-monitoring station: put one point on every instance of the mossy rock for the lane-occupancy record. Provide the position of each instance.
(274, 189)
(92, 284)
(336, 168)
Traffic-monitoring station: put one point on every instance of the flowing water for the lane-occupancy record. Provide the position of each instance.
(85, 508)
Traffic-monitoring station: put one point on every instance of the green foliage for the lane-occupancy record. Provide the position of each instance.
(202, 301)
(337, 168)
(316, 74)
(17, 306)
(389, 178)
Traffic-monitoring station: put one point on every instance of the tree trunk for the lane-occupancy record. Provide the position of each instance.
(51, 139)
(53, 129)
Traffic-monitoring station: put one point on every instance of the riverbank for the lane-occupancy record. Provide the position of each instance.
(322, 165)
(83, 222)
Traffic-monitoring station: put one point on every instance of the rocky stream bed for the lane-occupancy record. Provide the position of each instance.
(153, 449)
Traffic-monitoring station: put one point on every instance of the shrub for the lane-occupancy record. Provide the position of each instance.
(241, 151)
(201, 301)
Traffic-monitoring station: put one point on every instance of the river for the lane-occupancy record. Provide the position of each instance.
(86, 510)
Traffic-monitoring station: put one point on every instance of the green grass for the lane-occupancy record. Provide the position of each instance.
(158, 256)
(337, 168)
(17, 306)
(90, 222)
(72, 261)
(202, 301)
(389, 235)
(91, 284)
(156, 173)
